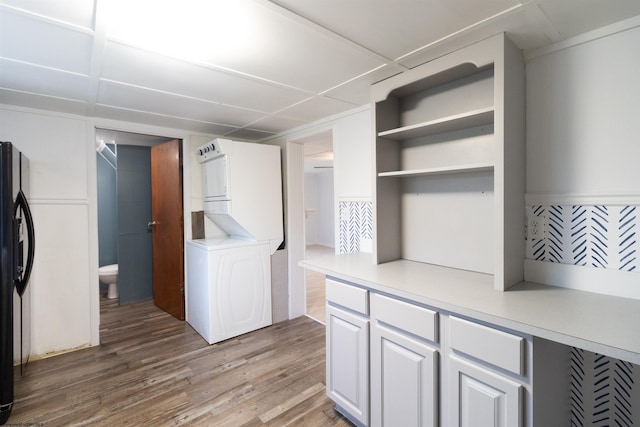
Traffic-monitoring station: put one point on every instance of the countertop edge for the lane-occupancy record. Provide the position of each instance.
(575, 318)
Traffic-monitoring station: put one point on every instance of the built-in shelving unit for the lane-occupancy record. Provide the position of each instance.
(468, 119)
(449, 162)
(439, 171)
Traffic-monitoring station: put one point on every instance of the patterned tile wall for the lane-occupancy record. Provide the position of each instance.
(355, 225)
(596, 236)
(603, 391)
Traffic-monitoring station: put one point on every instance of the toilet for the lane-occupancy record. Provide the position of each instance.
(108, 274)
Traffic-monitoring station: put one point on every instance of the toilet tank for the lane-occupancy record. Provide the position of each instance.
(242, 189)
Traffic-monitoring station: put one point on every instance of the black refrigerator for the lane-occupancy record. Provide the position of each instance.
(17, 245)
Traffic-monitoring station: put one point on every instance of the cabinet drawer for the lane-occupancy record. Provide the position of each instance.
(411, 318)
(498, 348)
(348, 296)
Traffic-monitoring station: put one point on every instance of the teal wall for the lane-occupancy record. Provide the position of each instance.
(107, 213)
(124, 209)
(135, 258)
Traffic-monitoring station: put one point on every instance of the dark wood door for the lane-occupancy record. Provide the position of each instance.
(167, 214)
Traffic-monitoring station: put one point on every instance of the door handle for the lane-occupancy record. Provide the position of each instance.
(21, 203)
(151, 224)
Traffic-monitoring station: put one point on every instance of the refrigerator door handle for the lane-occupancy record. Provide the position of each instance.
(23, 277)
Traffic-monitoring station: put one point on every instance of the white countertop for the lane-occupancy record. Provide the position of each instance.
(599, 323)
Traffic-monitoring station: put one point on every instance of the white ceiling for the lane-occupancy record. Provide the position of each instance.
(262, 67)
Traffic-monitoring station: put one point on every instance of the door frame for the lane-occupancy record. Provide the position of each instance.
(141, 129)
(295, 218)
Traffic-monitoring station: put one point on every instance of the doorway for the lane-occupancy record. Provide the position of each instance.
(319, 223)
(125, 223)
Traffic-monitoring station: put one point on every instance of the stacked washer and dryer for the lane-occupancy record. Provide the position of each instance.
(229, 279)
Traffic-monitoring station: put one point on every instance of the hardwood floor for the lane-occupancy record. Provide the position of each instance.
(152, 369)
(315, 284)
(315, 296)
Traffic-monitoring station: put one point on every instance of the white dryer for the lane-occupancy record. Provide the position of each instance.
(228, 290)
(229, 287)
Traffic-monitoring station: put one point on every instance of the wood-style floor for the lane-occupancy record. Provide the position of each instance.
(154, 370)
(315, 284)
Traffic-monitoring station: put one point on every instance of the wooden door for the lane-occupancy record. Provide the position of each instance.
(167, 214)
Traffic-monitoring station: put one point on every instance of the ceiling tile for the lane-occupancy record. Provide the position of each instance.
(288, 52)
(573, 17)
(138, 67)
(259, 42)
(277, 123)
(141, 99)
(248, 134)
(44, 43)
(73, 12)
(42, 102)
(395, 28)
(115, 113)
(358, 91)
(317, 108)
(46, 81)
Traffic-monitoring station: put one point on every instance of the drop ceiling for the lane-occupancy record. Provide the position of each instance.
(258, 69)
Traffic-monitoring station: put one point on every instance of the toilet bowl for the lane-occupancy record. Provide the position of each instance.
(108, 274)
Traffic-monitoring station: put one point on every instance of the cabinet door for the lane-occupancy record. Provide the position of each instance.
(482, 398)
(404, 385)
(348, 363)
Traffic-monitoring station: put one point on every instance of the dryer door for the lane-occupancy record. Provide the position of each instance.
(242, 294)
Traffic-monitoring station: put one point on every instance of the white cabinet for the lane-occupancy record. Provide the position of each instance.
(404, 364)
(482, 398)
(396, 362)
(347, 373)
(449, 162)
(488, 378)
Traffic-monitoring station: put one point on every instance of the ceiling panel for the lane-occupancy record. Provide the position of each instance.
(46, 81)
(42, 102)
(252, 39)
(277, 123)
(248, 134)
(154, 119)
(317, 107)
(395, 28)
(41, 42)
(138, 67)
(136, 98)
(358, 91)
(285, 51)
(74, 12)
(573, 17)
(528, 28)
(251, 68)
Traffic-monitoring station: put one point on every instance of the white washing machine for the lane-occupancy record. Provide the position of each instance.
(229, 290)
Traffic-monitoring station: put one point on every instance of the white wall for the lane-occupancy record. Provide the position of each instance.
(319, 199)
(64, 284)
(60, 194)
(352, 179)
(583, 174)
(582, 118)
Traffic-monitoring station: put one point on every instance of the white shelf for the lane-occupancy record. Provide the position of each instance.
(478, 167)
(449, 162)
(445, 124)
